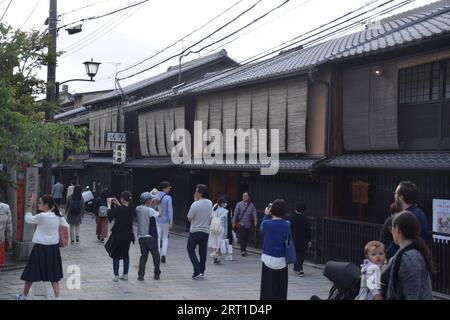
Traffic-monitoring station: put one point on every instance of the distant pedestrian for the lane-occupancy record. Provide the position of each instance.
(57, 192)
(45, 262)
(69, 190)
(165, 222)
(118, 244)
(274, 277)
(301, 233)
(218, 230)
(386, 232)
(75, 214)
(6, 231)
(148, 233)
(101, 215)
(411, 268)
(199, 216)
(243, 219)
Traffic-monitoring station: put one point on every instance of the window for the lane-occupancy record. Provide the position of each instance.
(424, 106)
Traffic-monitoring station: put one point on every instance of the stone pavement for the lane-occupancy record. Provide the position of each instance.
(234, 280)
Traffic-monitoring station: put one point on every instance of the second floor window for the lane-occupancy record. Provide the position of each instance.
(424, 106)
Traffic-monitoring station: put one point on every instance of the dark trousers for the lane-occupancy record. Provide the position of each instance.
(244, 235)
(199, 239)
(147, 245)
(274, 283)
(298, 266)
(57, 201)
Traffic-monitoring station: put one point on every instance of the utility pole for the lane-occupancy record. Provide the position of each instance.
(47, 163)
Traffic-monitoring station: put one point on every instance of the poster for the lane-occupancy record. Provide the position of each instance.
(31, 186)
(441, 218)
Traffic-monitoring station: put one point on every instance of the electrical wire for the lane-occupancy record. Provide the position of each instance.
(78, 9)
(31, 13)
(6, 10)
(182, 39)
(104, 15)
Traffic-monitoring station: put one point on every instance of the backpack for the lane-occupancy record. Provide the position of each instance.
(75, 208)
(102, 211)
(216, 226)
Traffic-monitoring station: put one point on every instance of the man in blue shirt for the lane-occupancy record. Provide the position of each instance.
(406, 196)
(165, 222)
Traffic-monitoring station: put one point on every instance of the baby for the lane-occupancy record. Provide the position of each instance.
(371, 271)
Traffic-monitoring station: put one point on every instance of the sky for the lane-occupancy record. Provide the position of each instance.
(120, 40)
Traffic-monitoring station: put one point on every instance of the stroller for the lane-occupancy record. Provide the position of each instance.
(345, 277)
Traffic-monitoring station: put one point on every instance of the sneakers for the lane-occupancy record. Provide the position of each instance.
(140, 278)
(102, 240)
(197, 277)
(213, 255)
(124, 277)
(202, 276)
(163, 259)
(72, 241)
(98, 238)
(243, 253)
(116, 279)
(301, 274)
(21, 297)
(229, 257)
(216, 260)
(78, 239)
(156, 277)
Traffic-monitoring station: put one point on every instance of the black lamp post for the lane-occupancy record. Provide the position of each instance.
(91, 70)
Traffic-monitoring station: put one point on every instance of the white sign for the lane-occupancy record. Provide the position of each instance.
(116, 137)
(441, 218)
(119, 153)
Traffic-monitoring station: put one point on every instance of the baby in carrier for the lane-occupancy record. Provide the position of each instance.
(371, 269)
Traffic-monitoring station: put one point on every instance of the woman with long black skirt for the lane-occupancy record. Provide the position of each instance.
(45, 262)
(274, 278)
(122, 233)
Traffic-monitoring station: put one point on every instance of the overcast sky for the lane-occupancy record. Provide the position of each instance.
(134, 34)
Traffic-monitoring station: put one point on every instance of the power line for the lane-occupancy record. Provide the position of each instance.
(78, 9)
(6, 10)
(240, 29)
(31, 13)
(178, 41)
(106, 32)
(104, 15)
(96, 32)
(199, 41)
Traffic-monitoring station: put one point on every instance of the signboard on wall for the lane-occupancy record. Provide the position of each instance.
(31, 186)
(441, 218)
(360, 192)
(118, 137)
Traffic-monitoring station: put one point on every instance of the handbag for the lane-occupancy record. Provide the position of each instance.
(63, 236)
(291, 255)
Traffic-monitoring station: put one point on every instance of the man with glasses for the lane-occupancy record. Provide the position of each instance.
(199, 216)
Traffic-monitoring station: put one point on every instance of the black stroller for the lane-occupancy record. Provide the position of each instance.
(345, 277)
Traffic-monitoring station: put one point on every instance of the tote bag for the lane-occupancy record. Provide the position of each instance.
(63, 236)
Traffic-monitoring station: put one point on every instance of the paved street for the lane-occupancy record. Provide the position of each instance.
(237, 280)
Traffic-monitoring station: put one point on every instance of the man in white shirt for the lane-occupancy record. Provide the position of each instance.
(148, 234)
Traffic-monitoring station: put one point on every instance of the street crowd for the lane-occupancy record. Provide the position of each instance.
(398, 266)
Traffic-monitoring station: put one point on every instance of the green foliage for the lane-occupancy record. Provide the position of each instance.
(25, 137)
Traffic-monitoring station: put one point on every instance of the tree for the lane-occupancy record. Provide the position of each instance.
(25, 137)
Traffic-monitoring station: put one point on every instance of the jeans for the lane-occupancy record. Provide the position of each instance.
(148, 244)
(199, 239)
(163, 235)
(126, 266)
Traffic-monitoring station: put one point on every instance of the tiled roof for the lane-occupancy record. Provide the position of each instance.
(171, 72)
(284, 165)
(392, 160)
(391, 34)
(71, 165)
(150, 163)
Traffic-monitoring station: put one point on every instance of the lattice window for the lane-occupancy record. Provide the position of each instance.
(419, 83)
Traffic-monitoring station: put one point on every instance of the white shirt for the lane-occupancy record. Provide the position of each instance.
(275, 263)
(47, 231)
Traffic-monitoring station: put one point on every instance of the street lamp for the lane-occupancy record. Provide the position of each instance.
(91, 68)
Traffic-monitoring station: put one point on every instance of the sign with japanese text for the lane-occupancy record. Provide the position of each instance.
(119, 137)
(441, 218)
(31, 186)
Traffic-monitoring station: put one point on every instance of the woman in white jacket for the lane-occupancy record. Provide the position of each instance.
(45, 262)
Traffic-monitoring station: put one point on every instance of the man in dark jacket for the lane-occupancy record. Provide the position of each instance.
(301, 233)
